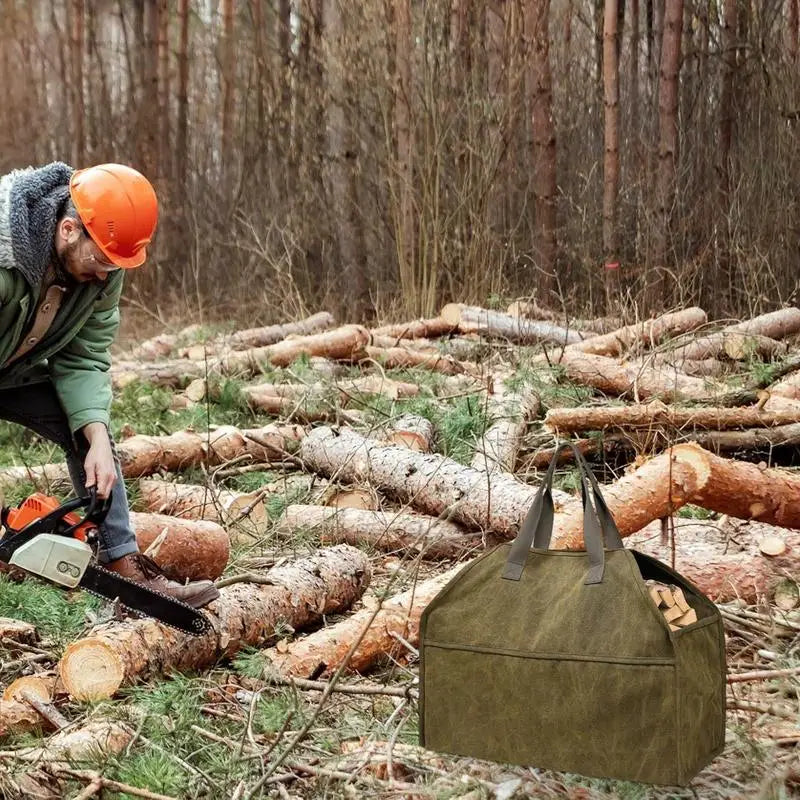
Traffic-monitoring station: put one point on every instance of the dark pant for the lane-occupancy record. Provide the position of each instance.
(36, 406)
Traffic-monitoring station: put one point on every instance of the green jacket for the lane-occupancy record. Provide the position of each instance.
(75, 351)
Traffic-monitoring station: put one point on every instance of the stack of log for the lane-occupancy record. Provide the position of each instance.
(391, 505)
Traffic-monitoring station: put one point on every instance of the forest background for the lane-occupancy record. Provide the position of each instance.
(383, 157)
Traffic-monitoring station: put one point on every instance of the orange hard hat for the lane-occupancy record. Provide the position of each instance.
(118, 207)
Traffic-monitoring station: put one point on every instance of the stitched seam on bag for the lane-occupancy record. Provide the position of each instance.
(497, 651)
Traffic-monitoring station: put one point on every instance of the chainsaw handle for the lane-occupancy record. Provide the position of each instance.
(96, 509)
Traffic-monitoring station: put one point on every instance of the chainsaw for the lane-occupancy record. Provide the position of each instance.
(54, 542)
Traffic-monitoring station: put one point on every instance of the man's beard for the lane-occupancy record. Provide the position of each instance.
(60, 262)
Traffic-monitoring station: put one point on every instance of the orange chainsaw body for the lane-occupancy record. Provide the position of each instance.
(39, 505)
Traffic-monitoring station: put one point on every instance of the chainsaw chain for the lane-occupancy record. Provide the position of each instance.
(141, 614)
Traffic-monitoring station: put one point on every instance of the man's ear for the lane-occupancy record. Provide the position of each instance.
(70, 230)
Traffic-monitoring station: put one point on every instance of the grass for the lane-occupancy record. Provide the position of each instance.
(169, 755)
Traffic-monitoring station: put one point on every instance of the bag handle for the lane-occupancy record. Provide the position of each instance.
(537, 529)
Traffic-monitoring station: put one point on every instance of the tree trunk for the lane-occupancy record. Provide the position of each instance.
(431, 483)
(539, 90)
(727, 114)
(181, 138)
(660, 261)
(185, 549)
(793, 33)
(388, 531)
(471, 319)
(342, 162)
(17, 717)
(689, 474)
(753, 438)
(611, 160)
(118, 654)
(321, 653)
(228, 74)
(78, 103)
(656, 414)
(261, 337)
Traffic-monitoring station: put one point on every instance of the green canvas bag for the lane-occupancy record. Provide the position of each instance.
(560, 659)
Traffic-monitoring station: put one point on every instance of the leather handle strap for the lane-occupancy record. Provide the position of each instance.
(599, 527)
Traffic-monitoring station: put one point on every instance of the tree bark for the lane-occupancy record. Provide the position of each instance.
(470, 319)
(118, 654)
(182, 128)
(431, 483)
(228, 75)
(321, 653)
(185, 549)
(656, 414)
(689, 474)
(16, 717)
(751, 439)
(388, 531)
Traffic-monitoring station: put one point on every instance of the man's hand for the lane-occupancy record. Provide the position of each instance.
(99, 463)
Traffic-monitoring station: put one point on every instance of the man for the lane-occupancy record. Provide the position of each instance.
(66, 238)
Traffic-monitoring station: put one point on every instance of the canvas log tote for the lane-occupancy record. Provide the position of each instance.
(561, 660)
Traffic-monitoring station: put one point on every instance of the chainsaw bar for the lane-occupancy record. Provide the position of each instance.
(143, 601)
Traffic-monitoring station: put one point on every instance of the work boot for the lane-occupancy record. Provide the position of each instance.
(142, 569)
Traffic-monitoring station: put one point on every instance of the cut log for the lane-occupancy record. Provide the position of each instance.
(193, 549)
(607, 445)
(16, 717)
(142, 455)
(48, 478)
(261, 337)
(433, 484)
(788, 387)
(647, 333)
(416, 329)
(471, 319)
(412, 431)
(41, 686)
(402, 358)
(162, 346)
(418, 345)
(355, 498)
(388, 531)
(636, 380)
(723, 558)
(344, 343)
(93, 739)
(743, 346)
(298, 594)
(707, 368)
(201, 502)
(751, 439)
(656, 414)
(15, 630)
(689, 474)
(507, 414)
(526, 308)
(774, 325)
(321, 653)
